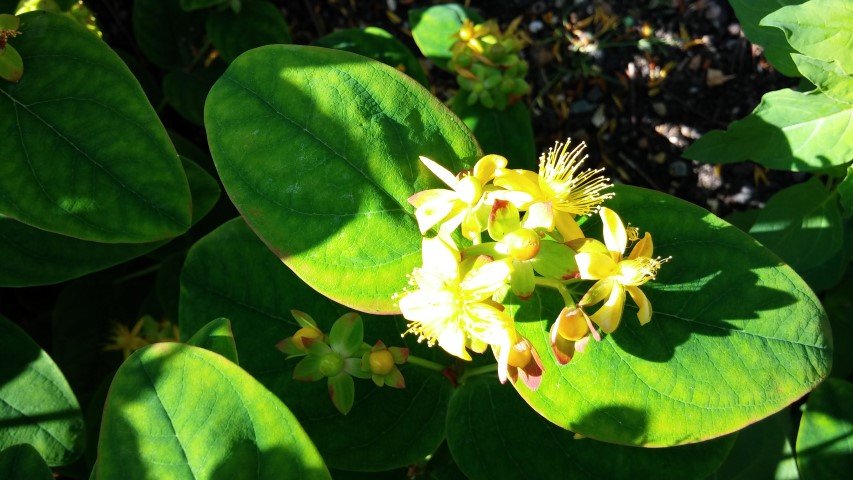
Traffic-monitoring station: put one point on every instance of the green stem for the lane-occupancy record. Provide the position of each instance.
(559, 286)
(137, 274)
(473, 372)
(428, 364)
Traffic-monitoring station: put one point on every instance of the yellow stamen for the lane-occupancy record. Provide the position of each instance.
(569, 191)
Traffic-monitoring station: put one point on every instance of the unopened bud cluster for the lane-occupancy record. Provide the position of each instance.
(340, 356)
(487, 64)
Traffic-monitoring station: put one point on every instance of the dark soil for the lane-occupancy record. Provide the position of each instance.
(637, 108)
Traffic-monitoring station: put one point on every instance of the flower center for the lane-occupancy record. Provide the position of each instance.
(570, 192)
(638, 271)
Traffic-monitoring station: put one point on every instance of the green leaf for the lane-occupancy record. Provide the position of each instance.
(839, 307)
(777, 50)
(36, 403)
(762, 450)
(834, 82)
(257, 24)
(217, 337)
(801, 224)
(190, 5)
(231, 273)
(177, 411)
(433, 29)
(377, 44)
(822, 29)
(797, 131)
(187, 91)
(318, 150)
(167, 35)
(23, 462)
(494, 435)
(825, 439)
(29, 256)
(85, 179)
(505, 132)
(729, 320)
(845, 191)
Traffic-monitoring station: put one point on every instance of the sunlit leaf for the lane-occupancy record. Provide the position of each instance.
(825, 440)
(36, 404)
(113, 178)
(231, 273)
(177, 411)
(735, 336)
(318, 150)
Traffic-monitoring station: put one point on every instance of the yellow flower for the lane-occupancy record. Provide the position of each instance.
(451, 304)
(127, 340)
(558, 184)
(464, 205)
(616, 275)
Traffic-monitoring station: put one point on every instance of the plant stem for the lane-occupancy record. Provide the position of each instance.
(428, 364)
(559, 286)
(473, 372)
(136, 274)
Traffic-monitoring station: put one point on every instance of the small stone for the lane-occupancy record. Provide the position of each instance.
(659, 108)
(734, 29)
(536, 26)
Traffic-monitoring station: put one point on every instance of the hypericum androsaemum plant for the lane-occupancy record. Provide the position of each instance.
(320, 152)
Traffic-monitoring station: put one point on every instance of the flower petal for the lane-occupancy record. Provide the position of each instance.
(610, 314)
(444, 174)
(484, 169)
(431, 212)
(503, 219)
(645, 312)
(490, 325)
(567, 226)
(480, 283)
(595, 266)
(427, 306)
(643, 248)
(520, 181)
(615, 236)
(440, 258)
(452, 340)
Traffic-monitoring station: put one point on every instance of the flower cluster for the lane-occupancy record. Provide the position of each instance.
(340, 356)
(487, 64)
(144, 332)
(534, 240)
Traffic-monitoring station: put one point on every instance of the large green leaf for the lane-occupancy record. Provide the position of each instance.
(839, 307)
(788, 130)
(505, 132)
(777, 50)
(257, 24)
(377, 44)
(493, 434)
(801, 224)
(23, 462)
(36, 403)
(828, 77)
(825, 440)
(168, 36)
(217, 337)
(30, 256)
(318, 149)
(85, 178)
(230, 273)
(177, 411)
(736, 335)
(822, 29)
(433, 29)
(762, 451)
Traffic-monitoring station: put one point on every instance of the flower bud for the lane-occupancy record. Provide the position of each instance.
(309, 333)
(331, 364)
(381, 362)
(523, 243)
